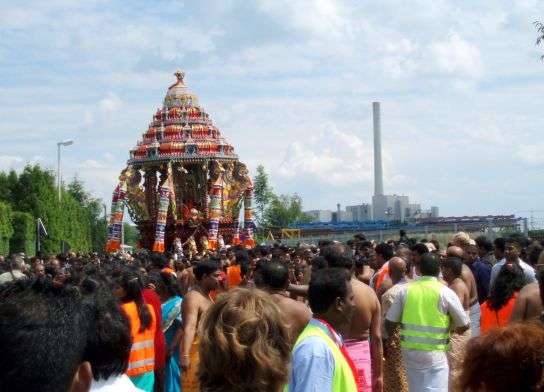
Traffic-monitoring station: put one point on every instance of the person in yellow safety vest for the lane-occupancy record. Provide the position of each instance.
(427, 310)
(320, 360)
(141, 362)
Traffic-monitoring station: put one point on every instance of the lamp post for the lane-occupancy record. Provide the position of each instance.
(59, 144)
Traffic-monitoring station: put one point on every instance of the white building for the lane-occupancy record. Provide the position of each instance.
(389, 207)
(320, 215)
(360, 213)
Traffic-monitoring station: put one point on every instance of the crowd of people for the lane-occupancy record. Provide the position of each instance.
(403, 315)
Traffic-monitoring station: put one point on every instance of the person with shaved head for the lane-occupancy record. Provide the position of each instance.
(394, 374)
(470, 281)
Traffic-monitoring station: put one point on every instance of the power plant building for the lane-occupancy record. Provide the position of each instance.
(384, 207)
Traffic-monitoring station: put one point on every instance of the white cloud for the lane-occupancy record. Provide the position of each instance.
(333, 157)
(456, 56)
(111, 103)
(91, 164)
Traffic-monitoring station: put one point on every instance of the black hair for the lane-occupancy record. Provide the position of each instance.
(205, 267)
(159, 260)
(264, 250)
(324, 243)
(341, 261)
(429, 265)
(385, 250)
(335, 254)
(241, 256)
(509, 280)
(533, 253)
(455, 264)
(43, 334)
(168, 284)
(484, 243)
(131, 282)
(513, 241)
(325, 286)
(360, 262)
(244, 269)
(318, 262)
(275, 275)
(420, 248)
(500, 244)
(109, 343)
(365, 244)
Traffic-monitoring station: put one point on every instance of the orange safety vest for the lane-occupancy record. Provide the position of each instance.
(234, 276)
(142, 352)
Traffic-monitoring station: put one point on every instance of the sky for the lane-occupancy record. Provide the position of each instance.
(290, 84)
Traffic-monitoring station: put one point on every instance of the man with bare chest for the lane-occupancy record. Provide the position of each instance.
(275, 280)
(468, 278)
(528, 304)
(194, 305)
(363, 339)
(451, 272)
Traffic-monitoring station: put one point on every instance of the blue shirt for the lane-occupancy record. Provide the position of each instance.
(482, 274)
(312, 368)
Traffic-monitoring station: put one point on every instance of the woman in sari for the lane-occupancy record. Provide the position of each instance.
(169, 292)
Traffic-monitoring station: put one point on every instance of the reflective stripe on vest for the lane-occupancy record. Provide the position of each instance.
(142, 351)
(342, 380)
(424, 326)
(142, 344)
(142, 363)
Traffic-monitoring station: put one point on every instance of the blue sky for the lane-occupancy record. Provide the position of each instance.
(290, 84)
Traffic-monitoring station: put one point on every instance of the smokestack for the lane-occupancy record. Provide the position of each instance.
(378, 172)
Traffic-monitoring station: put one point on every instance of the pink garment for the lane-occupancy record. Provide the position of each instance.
(359, 351)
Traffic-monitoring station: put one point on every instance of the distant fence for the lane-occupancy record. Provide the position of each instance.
(441, 232)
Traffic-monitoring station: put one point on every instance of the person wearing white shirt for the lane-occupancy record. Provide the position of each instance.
(424, 356)
(512, 250)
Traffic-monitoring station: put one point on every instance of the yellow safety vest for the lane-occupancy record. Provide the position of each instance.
(424, 326)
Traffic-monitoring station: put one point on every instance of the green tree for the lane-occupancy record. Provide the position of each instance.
(6, 228)
(262, 194)
(131, 234)
(93, 214)
(24, 233)
(76, 220)
(36, 194)
(540, 39)
(8, 185)
(285, 210)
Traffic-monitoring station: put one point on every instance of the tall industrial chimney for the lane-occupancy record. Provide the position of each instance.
(378, 172)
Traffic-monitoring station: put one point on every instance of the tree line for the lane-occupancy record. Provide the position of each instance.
(75, 223)
(272, 210)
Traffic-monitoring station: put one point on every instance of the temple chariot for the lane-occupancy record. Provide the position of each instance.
(183, 183)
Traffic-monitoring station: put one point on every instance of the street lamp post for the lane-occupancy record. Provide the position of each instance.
(59, 144)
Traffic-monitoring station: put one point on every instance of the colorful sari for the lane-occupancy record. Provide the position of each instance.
(171, 323)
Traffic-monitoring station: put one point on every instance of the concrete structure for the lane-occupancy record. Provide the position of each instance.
(378, 172)
(412, 210)
(360, 213)
(320, 215)
(434, 212)
(341, 216)
(389, 207)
